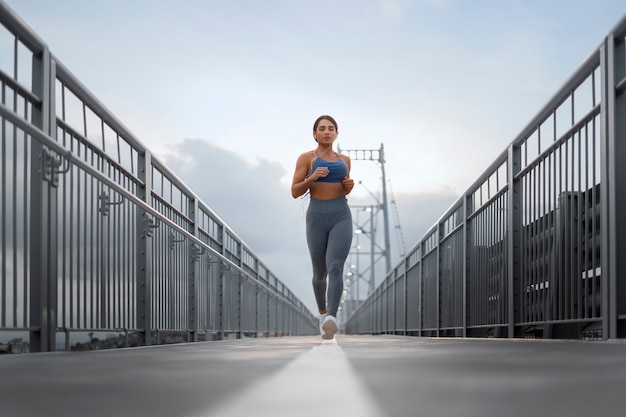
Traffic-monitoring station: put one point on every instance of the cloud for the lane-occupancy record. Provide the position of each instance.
(252, 201)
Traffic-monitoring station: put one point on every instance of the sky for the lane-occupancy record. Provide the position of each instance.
(226, 93)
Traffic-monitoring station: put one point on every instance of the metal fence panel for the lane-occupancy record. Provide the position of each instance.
(101, 245)
(534, 247)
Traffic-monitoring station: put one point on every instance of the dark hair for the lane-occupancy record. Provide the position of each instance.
(324, 117)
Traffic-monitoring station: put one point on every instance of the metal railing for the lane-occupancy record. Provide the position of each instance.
(100, 238)
(534, 248)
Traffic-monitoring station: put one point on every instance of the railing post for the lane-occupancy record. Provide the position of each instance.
(420, 287)
(220, 299)
(405, 295)
(438, 275)
(43, 213)
(467, 241)
(514, 227)
(613, 199)
(145, 223)
(193, 289)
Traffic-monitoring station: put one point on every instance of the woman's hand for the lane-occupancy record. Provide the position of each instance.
(319, 172)
(348, 184)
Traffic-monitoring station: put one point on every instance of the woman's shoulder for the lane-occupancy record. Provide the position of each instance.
(307, 155)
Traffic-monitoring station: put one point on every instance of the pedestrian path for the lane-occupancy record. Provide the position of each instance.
(319, 381)
(364, 376)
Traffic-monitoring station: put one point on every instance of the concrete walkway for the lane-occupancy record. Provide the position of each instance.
(352, 376)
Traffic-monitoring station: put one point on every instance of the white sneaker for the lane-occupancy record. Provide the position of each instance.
(329, 327)
(322, 318)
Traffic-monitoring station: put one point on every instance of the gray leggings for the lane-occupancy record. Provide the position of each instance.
(329, 236)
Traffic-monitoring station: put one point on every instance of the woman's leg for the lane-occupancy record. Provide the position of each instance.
(317, 239)
(339, 243)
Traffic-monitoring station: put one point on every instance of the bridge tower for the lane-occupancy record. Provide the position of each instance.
(362, 262)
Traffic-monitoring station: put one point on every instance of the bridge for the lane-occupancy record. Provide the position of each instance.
(128, 295)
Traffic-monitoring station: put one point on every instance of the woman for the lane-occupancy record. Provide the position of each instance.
(325, 174)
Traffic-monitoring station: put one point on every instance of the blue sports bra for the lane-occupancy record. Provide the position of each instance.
(337, 170)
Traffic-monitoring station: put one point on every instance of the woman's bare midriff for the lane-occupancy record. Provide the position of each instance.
(326, 190)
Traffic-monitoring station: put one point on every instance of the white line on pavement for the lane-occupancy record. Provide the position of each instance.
(317, 382)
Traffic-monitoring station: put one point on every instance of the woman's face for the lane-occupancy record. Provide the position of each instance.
(325, 134)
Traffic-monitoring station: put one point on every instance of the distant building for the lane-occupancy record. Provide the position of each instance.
(18, 345)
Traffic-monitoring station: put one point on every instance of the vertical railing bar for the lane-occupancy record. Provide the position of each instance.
(569, 230)
(488, 224)
(494, 228)
(591, 177)
(179, 273)
(110, 260)
(549, 238)
(585, 226)
(25, 276)
(474, 267)
(580, 236)
(101, 253)
(163, 273)
(594, 222)
(537, 258)
(566, 223)
(558, 190)
(68, 243)
(542, 247)
(471, 268)
(3, 193)
(14, 190)
(554, 201)
(99, 268)
(565, 290)
(548, 230)
(15, 211)
(498, 251)
(577, 221)
(158, 276)
(530, 293)
(481, 282)
(501, 283)
(113, 265)
(124, 294)
(553, 228)
(3, 224)
(132, 279)
(88, 259)
(129, 253)
(532, 251)
(492, 257)
(62, 314)
(589, 239)
(96, 245)
(492, 245)
(69, 322)
(580, 193)
(540, 259)
(81, 319)
(524, 229)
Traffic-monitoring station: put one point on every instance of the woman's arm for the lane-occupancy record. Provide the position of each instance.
(301, 182)
(347, 183)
